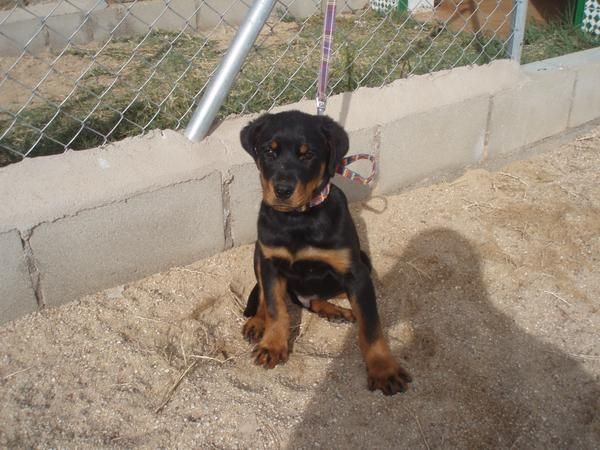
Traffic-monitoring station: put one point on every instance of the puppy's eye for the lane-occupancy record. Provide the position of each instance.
(307, 155)
(270, 153)
(270, 149)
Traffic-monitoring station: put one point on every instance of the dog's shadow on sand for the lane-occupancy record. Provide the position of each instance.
(480, 381)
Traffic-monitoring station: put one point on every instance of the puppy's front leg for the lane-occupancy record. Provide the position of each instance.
(273, 347)
(383, 372)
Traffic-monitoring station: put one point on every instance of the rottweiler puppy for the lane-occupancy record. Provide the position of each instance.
(308, 247)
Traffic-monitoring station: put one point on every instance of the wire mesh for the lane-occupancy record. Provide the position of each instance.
(82, 73)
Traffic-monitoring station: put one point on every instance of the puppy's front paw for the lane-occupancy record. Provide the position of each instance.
(388, 377)
(269, 355)
(254, 329)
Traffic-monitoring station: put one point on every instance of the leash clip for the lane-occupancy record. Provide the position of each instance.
(321, 105)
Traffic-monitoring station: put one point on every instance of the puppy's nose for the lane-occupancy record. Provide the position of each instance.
(284, 190)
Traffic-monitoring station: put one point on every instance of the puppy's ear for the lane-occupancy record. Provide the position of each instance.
(249, 134)
(337, 139)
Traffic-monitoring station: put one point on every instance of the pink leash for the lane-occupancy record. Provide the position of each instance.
(326, 48)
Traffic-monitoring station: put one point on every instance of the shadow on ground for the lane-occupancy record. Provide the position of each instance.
(480, 380)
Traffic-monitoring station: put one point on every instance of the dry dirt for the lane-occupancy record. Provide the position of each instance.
(489, 289)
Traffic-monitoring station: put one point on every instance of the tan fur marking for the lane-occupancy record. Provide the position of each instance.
(381, 366)
(254, 327)
(338, 259)
(273, 347)
(305, 192)
(261, 312)
(303, 149)
(274, 145)
(269, 196)
(330, 311)
(275, 252)
(279, 323)
(299, 199)
(378, 352)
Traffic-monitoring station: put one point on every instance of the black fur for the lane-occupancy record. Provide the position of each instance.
(297, 150)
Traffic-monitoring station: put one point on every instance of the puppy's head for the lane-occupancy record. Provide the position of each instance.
(296, 154)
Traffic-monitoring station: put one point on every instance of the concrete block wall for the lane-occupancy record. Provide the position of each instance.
(80, 222)
(537, 107)
(128, 239)
(445, 138)
(586, 96)
(17, 296)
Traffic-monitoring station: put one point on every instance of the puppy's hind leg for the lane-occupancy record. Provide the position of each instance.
(331, 312)
(323, 308)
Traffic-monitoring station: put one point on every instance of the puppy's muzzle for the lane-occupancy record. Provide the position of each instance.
(284, 189)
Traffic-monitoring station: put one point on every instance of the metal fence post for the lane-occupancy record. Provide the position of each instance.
(219, 87)
(519, 17)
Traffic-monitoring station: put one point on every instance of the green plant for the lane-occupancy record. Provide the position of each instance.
(348, 58)
(556, 38)
(284, 15)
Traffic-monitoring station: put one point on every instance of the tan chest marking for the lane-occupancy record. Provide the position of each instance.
(338, 259)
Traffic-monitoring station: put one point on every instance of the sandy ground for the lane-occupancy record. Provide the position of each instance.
(489, 288)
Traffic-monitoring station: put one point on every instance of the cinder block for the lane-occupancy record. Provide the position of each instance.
(66, 29)
(368, 107)
(307, 8)
(62, 18)
(86, 6)
(108, 23)
(160, 15)
(11, 15)
(179, 14)
(59, 8)
(538, 107)
(16, 293)
(568, 61)
(211, 14)
(30, 35)
(352, 5)
(126, 240)
(422, 144)
(297, 10)
(244, 202)
(586, 99)
(50, 9)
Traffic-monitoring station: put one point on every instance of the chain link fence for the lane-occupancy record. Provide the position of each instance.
(81, 73)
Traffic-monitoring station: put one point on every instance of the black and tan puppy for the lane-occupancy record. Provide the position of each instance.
(307, 247)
